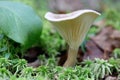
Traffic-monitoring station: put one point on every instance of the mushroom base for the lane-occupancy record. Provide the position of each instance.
(72, 58)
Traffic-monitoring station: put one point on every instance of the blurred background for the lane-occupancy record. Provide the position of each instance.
(109, 8)
(64, 6)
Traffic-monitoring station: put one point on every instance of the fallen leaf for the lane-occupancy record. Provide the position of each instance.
(93, 51)
(102, 39)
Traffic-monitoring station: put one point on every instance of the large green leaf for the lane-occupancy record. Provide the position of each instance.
(20, 23)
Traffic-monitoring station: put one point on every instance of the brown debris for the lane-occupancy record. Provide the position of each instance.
(115, 35)
(63, 58)
(32, 54)
(93, 51)
(107, 39)
(102, 39)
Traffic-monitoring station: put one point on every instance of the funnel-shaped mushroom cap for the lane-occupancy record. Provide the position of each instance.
(74, 26)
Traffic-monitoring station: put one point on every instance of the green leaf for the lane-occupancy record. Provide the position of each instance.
(7, 55)
(3, 49)
(96, 67)
(20, 23)
(108, 70)
(1, 36)
(103, 71)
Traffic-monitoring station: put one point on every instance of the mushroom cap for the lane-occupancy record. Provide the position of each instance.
(63, 17)
(73, 26)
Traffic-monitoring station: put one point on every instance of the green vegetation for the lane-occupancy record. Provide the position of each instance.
(92, 70)
(112, 16)
(14, 67)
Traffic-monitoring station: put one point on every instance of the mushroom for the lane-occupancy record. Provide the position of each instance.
(73, 27)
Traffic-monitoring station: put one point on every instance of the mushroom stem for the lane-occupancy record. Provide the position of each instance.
(71, 59)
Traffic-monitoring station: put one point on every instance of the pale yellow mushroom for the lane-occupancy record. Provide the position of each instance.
(73, 27)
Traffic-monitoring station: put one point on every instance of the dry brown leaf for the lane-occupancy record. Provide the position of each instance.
(93, 51)
(107, 39)
(102, 39)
